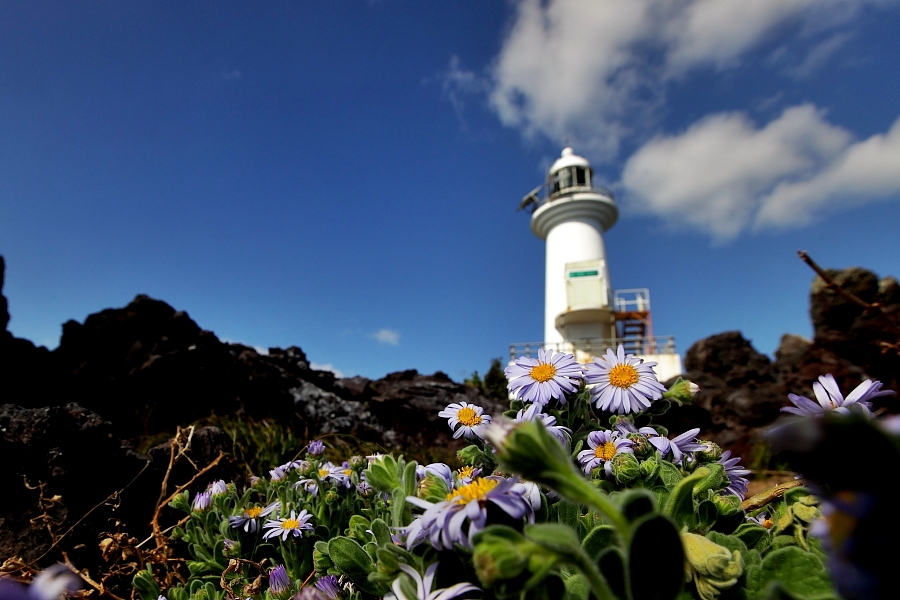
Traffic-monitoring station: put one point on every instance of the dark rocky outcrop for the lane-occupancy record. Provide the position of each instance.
(742, 390)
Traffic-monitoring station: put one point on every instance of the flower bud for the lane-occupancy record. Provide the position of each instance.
(432, 488)
(331, 497)
(357, 462)
(181, 501)
(231, 547)
(498, 559)
(712, 452)
(682, 391)
(641, 445)
(201, 502)
(364, 489)
(650, 467)
(712, 567)
(727, 505)
(316, 448)
(279, 583)
(625, 467)
(305, 468)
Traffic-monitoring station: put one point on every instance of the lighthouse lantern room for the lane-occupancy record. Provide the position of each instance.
(582, 315)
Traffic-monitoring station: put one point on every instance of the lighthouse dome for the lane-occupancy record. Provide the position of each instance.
(570, 172)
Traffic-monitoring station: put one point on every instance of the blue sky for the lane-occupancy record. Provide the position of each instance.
(343, 175)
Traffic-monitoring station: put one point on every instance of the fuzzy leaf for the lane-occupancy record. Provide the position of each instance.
(669, 474)
(349, 557)
(799, 573)
(599, 539)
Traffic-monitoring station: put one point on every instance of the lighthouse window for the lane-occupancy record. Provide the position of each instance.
(580, 176)
(565, 178)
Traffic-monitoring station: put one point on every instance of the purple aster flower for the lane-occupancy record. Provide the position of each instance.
(604, 445)
(202, 501)
(830, 398)
(279, 582)
(364, 489)
(622, 383)
(678, 446)
(316, 448)
(445, 523)
(217, 487)
(336, 474)
(737, 484)
(310, 486)
(423, 586)
(248, 520)
(330, 585)
(294, 525)
(438, 470)
(551, 375)
(563, 434)
(466, 420)
(278, 473)
(49, 584)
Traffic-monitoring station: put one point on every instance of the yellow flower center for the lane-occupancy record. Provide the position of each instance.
(623, 376)
(466, 472)
(543, 373)
(605, 451)
(468, 417)
(767, 523)
(476, 490)
(252, 513)
(290, 524)
(346, 471)
(323, 472)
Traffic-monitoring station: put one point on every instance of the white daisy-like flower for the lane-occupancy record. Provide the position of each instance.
(551, 375)
(622, 383)
(466, 419)
(294, 525)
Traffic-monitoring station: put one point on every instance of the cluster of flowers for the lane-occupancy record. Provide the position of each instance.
(312, 499)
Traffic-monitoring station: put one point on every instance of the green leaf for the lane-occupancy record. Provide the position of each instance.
(555, 536)
(655, 559)
(349, 557)
(145, 585)
(599, 539)
(800, 574)
(381, 532)
(577, 587)
(751, 534)
(670, 474)
(680, 505)
(354, 562)
(567, 513)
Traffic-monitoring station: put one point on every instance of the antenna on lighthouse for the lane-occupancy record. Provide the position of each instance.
(530, 199)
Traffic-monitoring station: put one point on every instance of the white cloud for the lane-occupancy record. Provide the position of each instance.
(724, 175)
(387, 336)
(865, 172)
(596, 72)
(326, 367)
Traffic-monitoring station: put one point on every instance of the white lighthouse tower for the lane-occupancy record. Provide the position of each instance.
(582, 314)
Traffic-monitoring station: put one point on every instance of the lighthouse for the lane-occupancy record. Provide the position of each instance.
(582, 314)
